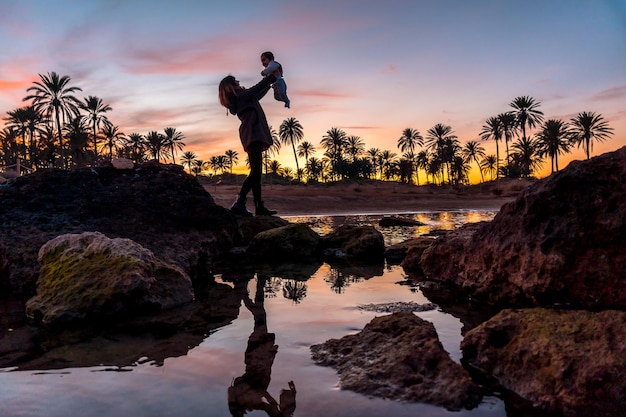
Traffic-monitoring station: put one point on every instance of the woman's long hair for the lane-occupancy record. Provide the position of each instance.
(227, 91)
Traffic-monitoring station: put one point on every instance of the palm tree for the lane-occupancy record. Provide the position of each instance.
(471, 151)
(587, 127)
(373, 155)
(492, 129)
(314, 168)
(233, 157)
(305, 150)
(198, 165)
(554, 139)
(156, 144)
(354, 146)
(334, 141)
(54, 97)
(290, 131)
(526, 156)
(489, 163)
(440, 139)
(188, 159)
(78, 136)
(508, 122)
(173, 141)
(410, 139)
(112, 136)
(8, 142)
(526, 113)
(95, 109)
(388, 163)
(18, 121)
(137, 144)
(421, 162)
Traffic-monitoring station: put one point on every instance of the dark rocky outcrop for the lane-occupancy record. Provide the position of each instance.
(399, 356)
(568, 362)
(562, 241)
(158, 206)
(88, 276)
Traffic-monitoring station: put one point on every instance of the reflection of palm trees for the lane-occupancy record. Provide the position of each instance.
(338, 280)
(294, 290)
(249, 391)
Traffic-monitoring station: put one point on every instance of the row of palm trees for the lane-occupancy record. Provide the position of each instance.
(56, 129)
(442, 157)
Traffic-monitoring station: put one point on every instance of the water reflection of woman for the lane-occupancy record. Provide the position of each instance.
(249, 391)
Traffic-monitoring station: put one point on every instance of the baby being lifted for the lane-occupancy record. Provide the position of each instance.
(273, 67)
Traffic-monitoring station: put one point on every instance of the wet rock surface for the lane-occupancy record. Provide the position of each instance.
(399, 356)
(567, 362)
(88, 276)
(562, 241)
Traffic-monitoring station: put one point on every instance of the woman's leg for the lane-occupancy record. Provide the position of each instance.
(252, 181)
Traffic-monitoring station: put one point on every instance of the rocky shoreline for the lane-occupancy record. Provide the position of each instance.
(550, 267)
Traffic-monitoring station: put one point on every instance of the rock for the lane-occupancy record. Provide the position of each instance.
(567, 362)
(4, 269)
(251, 226)
(290, 243)
(399, 356)
(440, 259)
(410, 251)
(563, 240)
(357, 242)
(389, 221)
(90, 277)
(158, 206)
(122, 163)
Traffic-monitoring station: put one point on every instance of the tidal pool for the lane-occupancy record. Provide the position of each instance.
(297, 312)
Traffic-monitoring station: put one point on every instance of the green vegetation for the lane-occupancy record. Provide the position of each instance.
(59, 130)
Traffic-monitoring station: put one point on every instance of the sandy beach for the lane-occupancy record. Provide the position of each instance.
(373, 197)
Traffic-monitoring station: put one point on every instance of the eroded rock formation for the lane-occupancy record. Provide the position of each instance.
(399, 356)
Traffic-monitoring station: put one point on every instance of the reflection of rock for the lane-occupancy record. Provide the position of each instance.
(568, 362)
(357, 242)
(90, 277)
(294, 242)
(562, 241)
(399, 356)
(122, 343)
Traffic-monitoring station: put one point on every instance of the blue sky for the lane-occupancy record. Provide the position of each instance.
(370, 68)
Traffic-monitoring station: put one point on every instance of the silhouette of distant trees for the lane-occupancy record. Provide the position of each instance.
(57, 129)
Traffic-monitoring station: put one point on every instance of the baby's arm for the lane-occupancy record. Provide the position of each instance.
(271, 68)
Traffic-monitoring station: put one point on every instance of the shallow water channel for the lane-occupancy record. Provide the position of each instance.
(299, 312)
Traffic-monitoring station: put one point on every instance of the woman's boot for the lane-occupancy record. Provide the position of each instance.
(240, 207)
(261, 210)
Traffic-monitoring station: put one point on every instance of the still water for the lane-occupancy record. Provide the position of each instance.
(298, 313)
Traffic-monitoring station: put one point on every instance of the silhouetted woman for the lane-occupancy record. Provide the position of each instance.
(254, 133)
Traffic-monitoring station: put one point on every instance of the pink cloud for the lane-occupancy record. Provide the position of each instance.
(610, 94)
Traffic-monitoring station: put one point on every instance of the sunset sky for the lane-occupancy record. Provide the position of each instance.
(371, 68)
